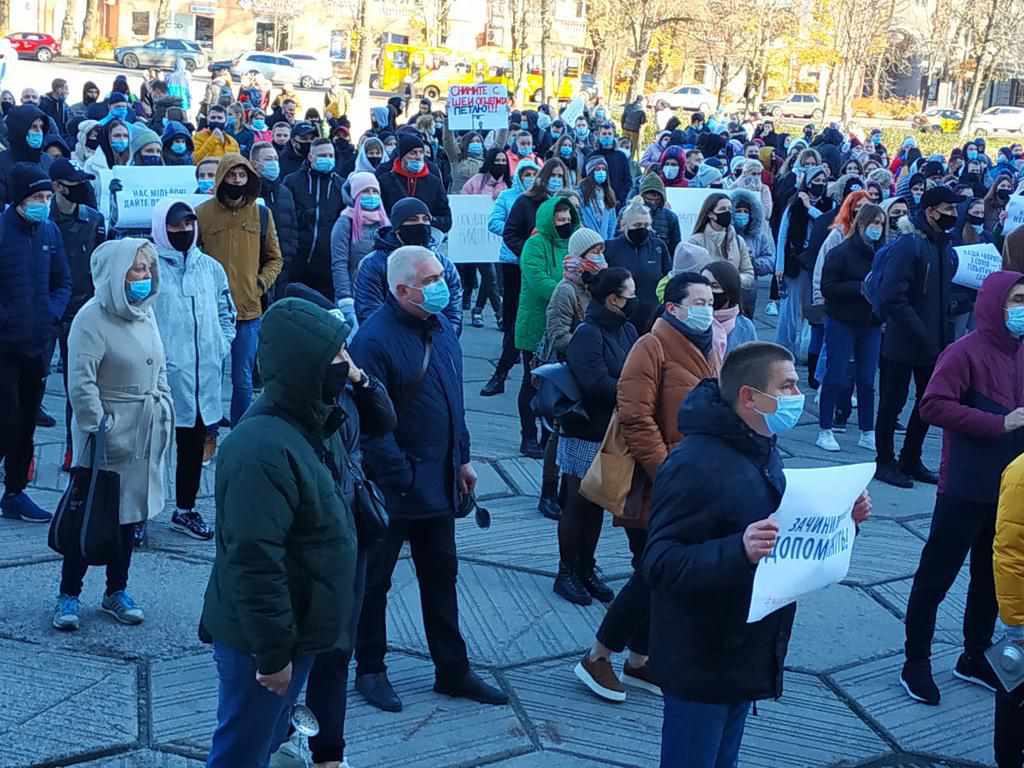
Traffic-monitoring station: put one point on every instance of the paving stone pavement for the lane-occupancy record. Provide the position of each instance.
(145, 697)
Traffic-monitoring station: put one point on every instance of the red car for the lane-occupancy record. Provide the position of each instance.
(35, 45)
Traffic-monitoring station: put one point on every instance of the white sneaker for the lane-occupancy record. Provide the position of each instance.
(867, 440)
(853, 401)
(827, 441)
(772, 310)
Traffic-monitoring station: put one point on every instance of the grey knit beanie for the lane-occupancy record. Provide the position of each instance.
(582, 240)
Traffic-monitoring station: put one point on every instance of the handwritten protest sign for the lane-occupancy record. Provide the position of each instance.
(477, 107)
(975, 263)
(686, 203)
(816, 533)
(145, 186)
(469, 240)
(1014, 214)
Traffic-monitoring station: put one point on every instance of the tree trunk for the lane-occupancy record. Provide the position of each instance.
(876, 79)
(545, 34)
(90, 25)
(67, 28)
(163, 18)
(359, 111)
(643, 62)
(723, 82)
(5, 16)
(977, 86)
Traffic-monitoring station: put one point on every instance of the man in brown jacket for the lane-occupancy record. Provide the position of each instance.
(240, 234)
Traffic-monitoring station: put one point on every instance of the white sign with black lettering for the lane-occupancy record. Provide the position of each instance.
(975, 263)
(470, 242)
(142, 187)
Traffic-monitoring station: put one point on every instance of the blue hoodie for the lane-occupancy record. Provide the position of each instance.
(175, 130)
(502, 206)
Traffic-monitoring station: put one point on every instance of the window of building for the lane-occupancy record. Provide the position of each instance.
(204, 30)
(140, 23)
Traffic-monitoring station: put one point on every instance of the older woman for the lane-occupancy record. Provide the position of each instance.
(196, 317)
(117, 382)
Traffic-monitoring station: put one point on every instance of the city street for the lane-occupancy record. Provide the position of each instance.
(120, 697)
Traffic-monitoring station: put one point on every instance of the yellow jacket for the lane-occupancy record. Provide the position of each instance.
(1008, 549)
(209, 145)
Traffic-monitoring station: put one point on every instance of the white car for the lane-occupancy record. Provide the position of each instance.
(690, 97)
(316, 69)
(999, 120)
(278, 69)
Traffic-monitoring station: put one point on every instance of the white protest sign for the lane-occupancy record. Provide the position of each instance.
(816, 532)
(480, 107)
(975, 263)
(1014, 214)
(145, 186)
(469, 241)
(686, 203)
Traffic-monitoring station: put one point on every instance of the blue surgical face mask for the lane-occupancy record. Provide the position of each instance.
(435, 297)
(271, 170)
(414, 166)
(917, 197)
(978, 228)
(527, 182)
(699, 318)
(476, 148)
(554, 184)
(139, 290)
(607, 141)
(119, 145)
(205, 185)
(323, 164)
(565, 150)
(741, 220)
(179, 147)
(671, 172)
(582, 131)
(601, 176)
(119, 113)
(599, 114)
(556, 133)
(972, 154)
(873, 233)
(369, 202)
(876, 139)
(36, 211)
(259, 124)
(789, 409)
(1015, 320)
(34, 139)
(543, 121)
(524, 149)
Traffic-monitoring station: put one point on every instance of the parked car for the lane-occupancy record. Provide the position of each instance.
(938, 120)
(34, 45)
(276, 67)
(161, 53)
(315, 69)
(795, 105)
(690, 97)
(999, 120)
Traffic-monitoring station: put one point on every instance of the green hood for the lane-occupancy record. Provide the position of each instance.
(545, 223)
(298, 340)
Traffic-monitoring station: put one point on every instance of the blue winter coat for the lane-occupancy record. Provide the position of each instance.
(35, 282)
(499, 213)
(417, 464)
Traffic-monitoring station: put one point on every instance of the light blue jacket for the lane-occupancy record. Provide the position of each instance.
(599, 218)
(502, 205)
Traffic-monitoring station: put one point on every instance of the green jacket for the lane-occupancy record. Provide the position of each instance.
(283, 579)
(541, 266)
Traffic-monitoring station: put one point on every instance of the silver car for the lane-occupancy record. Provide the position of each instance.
(162, 53)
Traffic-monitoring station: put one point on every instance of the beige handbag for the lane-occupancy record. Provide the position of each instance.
(611, 476)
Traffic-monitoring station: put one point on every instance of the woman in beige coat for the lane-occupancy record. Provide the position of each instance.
(117, 374)
(714, 233)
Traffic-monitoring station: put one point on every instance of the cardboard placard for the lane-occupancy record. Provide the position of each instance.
(470, 242)
(480, 107)
(975, 263)
(686, 204)
(143, 188)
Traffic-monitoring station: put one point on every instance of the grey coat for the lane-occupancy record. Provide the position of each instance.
(346, 254)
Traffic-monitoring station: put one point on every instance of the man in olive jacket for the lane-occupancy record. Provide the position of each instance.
(283, 581)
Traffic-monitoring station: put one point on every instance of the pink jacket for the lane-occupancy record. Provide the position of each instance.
(484, 184)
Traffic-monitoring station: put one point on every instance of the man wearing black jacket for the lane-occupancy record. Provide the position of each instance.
(410, 176)
(707, 532)
(54, 104)
(279, 199)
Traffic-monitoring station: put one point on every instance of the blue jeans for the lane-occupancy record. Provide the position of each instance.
(252, 722)
(698, 735)
(243, 360)
(864, 344)
(791, 311)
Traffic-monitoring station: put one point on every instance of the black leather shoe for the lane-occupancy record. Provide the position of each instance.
(569, 586)
(530, 448)
(377, 690)
(471, 687)
(548, 507)
(920, 472)
(893, 475)
(43, 419)
(494, 386)
(596, 586)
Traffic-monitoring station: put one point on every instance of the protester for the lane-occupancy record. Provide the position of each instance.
(26, 127)
(117, 384)
(644, 255)
(278, 198)
(729, 328)
(90, 96)
(214, 140)
(353, 237)
(714, 232)
(409, 176)
(492, 180)
(664, 220)
(206, 175)
(750, 222)
(599, 201)
(177, 144)
(974, 396)
(1008, 548)
(633, 118)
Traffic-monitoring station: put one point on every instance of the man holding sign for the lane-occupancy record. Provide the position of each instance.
(710, 526)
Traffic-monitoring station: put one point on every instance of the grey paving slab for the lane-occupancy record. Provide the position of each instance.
(551, 759)
(521, 537)
(146, 758)
(504, 404)
(884, 550)
(949, 622)
(903, 504)
(161, 537)
(507, 617)
(493, 436)
(960, 728)
(183, 700)
(68, 705)
(490, 483)
(524, 473)
(168, 589)
(841, 611)
(24, 542)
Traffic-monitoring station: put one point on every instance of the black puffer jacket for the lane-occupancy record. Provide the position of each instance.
(19, 120)
(81, 232)
(318, 204)
(648, 263)
(282, 204)
(702, 648)
(842, 283)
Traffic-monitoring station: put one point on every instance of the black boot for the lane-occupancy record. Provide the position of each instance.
(548, 503)
(530, 448)
(569, 586)
(594, 584)
(494, 386)
(812, 366)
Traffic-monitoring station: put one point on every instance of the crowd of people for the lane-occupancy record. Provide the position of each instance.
(316, 274)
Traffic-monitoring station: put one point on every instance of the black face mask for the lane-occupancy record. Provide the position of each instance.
(721, 300)
(78, 194)
(414, 234)
(498, 171)
(637, 236)
(90, 98)
(92, 142)
(1003, 195)
(631, 305)
(894, 222)
(945, 221)
(302, 147)
(334, 382)
(972, 219)
(564, 230)
(374, 160)
(181, 241)
(816, 190)
(215, 125)
(231, 191)
(723, 219)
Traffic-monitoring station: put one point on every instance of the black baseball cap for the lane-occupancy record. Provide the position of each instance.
(939, 195)
(62, 170)
(179, 213)
(303, 128)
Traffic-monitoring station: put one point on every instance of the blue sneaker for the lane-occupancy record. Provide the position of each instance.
(18, 506)
(65, 615)
(121, 606)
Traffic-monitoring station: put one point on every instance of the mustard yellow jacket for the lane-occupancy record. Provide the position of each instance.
(1008, 550)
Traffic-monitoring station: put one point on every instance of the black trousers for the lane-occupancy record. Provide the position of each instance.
(62, 342)
(512, 280)
(1009, 729)
(487, 284)
(72, 569)
(893, 389)
(189, 471)
(432, 542)
(527, 418)
(21, 392)
(579, 527)
(958, 527)
(628, 620)
(327, 686)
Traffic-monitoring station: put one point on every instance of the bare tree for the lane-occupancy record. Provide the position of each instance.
(67, 28)
(721, 32)
(163, 17)
(992, 46)
(435, 21)
(642, 19)
(5, 16)
(281, 11)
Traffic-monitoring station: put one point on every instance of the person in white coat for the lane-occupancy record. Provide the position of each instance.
(196, 317)
(117, 381)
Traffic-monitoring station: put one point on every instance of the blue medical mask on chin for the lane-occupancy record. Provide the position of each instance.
(139, 290)
(789, 409)
(1015, 321)
(435, 297)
